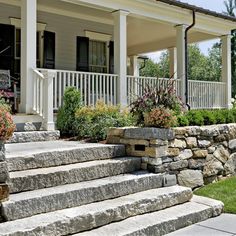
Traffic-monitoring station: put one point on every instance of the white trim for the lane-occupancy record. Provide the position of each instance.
(98, 36)
(17, 23)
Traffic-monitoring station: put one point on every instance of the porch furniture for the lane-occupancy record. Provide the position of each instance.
(8, 88)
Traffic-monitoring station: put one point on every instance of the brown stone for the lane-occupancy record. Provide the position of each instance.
(191, 142)
(221, 154)
(158, 142)
(178, 143)
(173, 152)
(113, 140)
(4, 192)
(134, 142)
(200, 153)
(117, 131)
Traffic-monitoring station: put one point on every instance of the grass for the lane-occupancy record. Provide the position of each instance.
(224, 190)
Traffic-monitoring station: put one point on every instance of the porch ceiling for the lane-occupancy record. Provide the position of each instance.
(148, 36)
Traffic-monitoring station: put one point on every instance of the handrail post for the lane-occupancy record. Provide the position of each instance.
(48, 101)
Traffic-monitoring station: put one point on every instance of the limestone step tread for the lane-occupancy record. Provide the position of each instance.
(23, 156)
(159, 222)
(30, 203)
(67, 174)
(34, 136)
(74, 220)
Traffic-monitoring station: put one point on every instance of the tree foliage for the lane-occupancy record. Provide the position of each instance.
(201, 67)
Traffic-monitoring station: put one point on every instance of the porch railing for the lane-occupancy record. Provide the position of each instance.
(43, 97)
(136, 85)
(207, 94)
(202, 94)
(92, 86)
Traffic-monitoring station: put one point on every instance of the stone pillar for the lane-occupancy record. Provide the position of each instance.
(226, 67)
(173, 62)
(120, 54)
(28, 52)
(180, 44)
(4, 175)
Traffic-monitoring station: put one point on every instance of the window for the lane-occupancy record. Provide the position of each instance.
(18, 51)
(97, 56)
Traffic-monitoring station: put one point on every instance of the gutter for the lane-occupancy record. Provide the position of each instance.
(186, 56)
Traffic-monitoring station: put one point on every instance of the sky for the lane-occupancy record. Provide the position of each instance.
(213, 5)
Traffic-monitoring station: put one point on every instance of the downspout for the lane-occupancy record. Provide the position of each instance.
(186, 58)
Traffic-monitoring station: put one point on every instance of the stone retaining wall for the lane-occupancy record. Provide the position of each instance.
(196, 155)
(4, 176)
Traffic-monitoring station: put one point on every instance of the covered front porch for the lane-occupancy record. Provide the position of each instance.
(95, 46)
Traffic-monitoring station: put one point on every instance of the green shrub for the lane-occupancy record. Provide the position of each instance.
(220, 117)
(195, 117)
(229, 116)
(66, 114)
(93, 122)
(209, 117)
(160, 117)
(182, 120)
(154, 97)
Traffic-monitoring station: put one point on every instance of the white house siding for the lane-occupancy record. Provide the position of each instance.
(66, 29)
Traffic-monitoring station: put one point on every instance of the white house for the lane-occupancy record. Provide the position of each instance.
(93, 45)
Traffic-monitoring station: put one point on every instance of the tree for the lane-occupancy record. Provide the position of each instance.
(230, 7)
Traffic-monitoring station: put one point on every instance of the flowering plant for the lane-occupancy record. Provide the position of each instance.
(7, 125)
(160, 117)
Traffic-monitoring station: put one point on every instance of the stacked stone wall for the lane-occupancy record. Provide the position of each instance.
(196, 155)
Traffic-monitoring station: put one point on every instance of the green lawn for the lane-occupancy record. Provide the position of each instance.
(224, 191)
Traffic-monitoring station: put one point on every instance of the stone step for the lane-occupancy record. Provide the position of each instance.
(74, 220)
(25, 204)
(21, 181)
(34, 136)
(23, 156)
(161, 222)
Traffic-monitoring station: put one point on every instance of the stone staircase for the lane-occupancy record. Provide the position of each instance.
(69, 188)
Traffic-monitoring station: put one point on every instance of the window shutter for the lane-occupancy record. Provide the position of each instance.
(111, 57)
(49, 50)
(82, 55)
(7, 47)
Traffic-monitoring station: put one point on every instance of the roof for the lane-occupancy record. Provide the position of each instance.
(197, 9)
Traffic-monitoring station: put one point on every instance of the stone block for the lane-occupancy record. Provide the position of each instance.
(166, 159)
(113, 139)
(230, 165)
(144, 166)
(156, 152)
(212, 168)
(200, 153)
(149, 133)
(173, 152)
(158, 169)
(211, 149)
(169, 180)
(158, 142)
(180, 131)
(4, 175)
(232, 145)
(196, 164)
(2, 151)
(191, 142)
(185, 154)
(155, 161)
(178, 143)
(134, 142)
(210, 131)
(204, 143)
(116, 131)
(190, 178)
(221, 138)
(221, 154)
(4, 192)
(178, 165)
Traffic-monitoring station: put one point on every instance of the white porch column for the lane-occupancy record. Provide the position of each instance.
(28, 52)
(173, 62)
(134, 66)
(226, 67)
(120, 54)
(180, 44)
